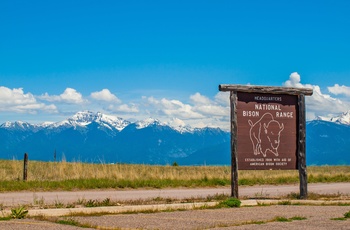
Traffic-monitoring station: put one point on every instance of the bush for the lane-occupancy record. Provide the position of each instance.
(19, 213)
(282, 219)
(230, 203)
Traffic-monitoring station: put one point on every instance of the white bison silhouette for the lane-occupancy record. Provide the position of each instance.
(265, 135)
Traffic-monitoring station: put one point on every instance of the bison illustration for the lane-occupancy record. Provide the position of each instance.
(265, 135)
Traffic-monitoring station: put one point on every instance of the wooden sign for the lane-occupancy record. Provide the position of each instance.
(267, 131)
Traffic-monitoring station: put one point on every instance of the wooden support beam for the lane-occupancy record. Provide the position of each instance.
(302, 148)
(234, 164)
(266, 89)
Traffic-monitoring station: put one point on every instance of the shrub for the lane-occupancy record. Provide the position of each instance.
(284, 202)
(19, 213)
(282, 219)
(230, 203)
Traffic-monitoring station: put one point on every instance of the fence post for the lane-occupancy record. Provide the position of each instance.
(25, 167)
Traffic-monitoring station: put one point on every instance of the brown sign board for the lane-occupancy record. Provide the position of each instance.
(267, 131)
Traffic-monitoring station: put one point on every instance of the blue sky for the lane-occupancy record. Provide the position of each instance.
(165, 59)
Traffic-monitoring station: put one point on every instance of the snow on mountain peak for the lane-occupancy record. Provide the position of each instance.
(322, 118)
(7, 124)
(184, 129)
(343, 118)
(147, 122)
(116, 122)
(46, 124)
(180, 126)
(17, 125)
(85, 118)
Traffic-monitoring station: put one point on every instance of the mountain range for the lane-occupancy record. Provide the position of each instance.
(101, 138)
(96, 137)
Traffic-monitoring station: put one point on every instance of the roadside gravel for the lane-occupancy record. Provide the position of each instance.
(30, 224)
(258, 191)
(317, 217)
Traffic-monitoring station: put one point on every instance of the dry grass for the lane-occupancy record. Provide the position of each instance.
(38, 171)
(78, 175)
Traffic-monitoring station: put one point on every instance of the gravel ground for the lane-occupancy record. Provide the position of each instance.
(29, 224)
(65, 197)
(317, 217)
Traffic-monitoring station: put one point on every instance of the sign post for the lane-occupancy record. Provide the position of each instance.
(267, 130)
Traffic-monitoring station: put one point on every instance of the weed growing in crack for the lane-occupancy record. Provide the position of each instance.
(284, 202)
(345, 217)
(230, 203)
(19, 213)
(282, 219)
(72, 222)
(59, 204)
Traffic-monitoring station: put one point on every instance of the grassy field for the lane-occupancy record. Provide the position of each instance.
(43, 176)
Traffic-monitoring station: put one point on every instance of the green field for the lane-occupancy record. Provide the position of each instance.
(48, 176)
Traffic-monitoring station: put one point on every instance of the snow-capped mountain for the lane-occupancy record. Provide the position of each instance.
(19, 125)
(97, 137)
(343, 118)
(147, 122)
(184, 129)
(84, 118)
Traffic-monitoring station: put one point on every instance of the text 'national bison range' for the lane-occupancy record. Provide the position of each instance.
(267, 107)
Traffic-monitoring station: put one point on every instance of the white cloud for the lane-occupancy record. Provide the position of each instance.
(337, 89)
(197, 98)
(213, 110)
(70, 96)
(124, 108)
(223, 98)
(198, 110)
(105, 95)
(208, 107)
(319, 103)
(294, 81)
(201, 112)
(324, 104)
(15, 96)
(173, 108)
(178, 109)
(16, 100)
(176, 122)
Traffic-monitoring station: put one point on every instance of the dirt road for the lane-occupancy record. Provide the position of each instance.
(258, 217)
(266, 191)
